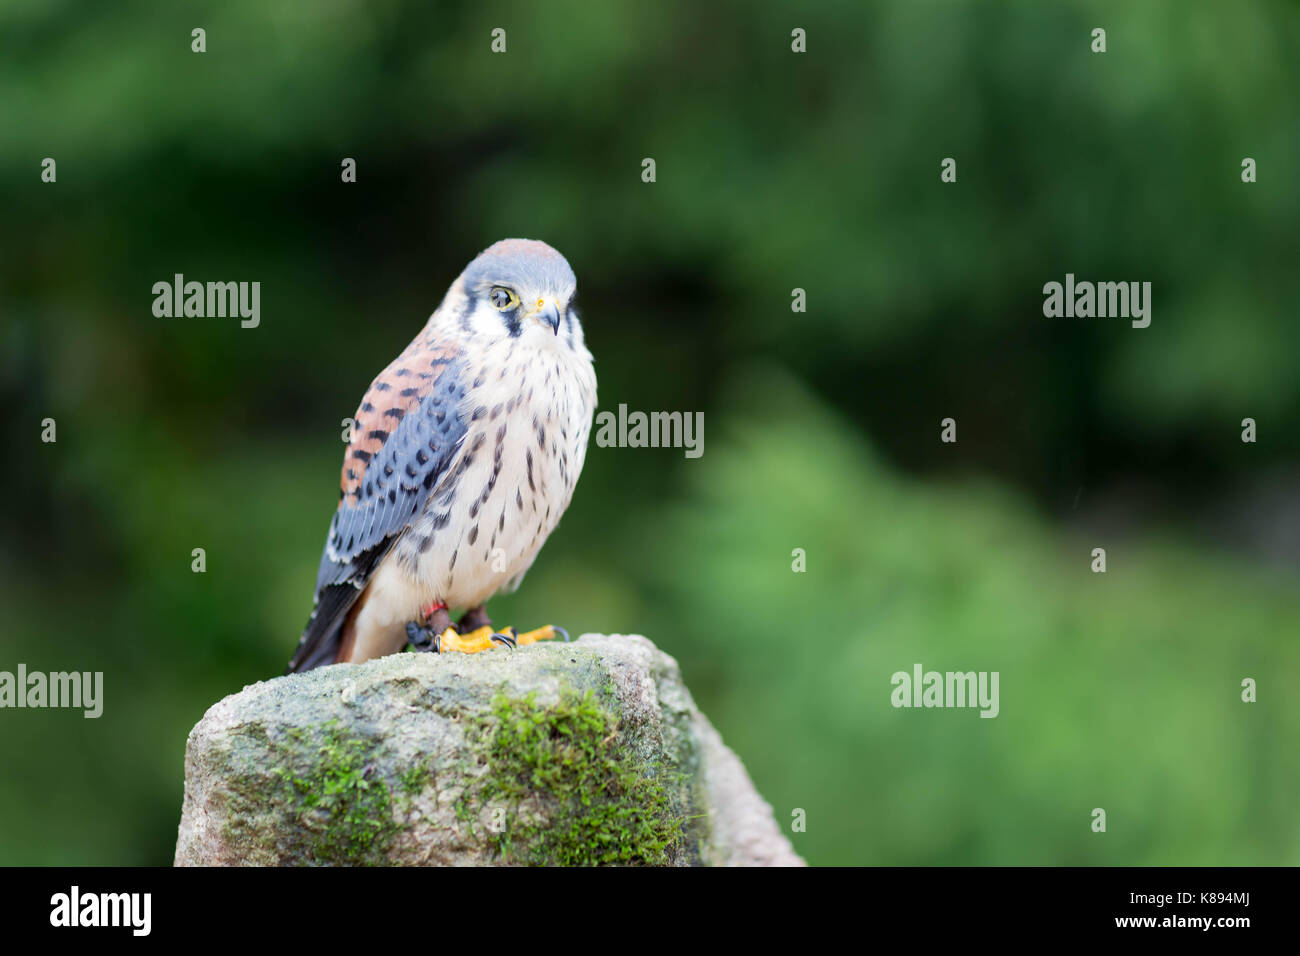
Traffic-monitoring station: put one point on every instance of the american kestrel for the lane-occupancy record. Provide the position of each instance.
(463, 456)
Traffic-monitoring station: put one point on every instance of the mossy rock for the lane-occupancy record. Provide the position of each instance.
(555, 754)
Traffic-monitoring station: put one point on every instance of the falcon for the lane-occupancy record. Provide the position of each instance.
(464, 454)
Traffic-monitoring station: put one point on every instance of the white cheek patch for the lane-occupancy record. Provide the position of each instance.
(485, 321)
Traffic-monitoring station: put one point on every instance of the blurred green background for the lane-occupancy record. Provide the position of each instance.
(775, 170)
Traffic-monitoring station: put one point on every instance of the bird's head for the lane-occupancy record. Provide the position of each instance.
(522, 289)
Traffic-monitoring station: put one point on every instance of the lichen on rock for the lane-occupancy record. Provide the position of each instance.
(556, 754)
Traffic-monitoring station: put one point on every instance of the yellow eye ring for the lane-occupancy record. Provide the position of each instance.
(502, 298)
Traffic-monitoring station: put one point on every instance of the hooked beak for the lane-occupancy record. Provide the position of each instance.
(548, 313)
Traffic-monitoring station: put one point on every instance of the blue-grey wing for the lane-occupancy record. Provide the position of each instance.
(407, 434)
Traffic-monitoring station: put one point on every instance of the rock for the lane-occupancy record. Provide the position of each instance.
(581, 753)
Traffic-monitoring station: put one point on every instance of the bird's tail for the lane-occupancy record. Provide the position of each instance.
(323, 636)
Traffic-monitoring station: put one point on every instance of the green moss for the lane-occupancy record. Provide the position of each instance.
(414, 778)
(595, 800)
(338, 784)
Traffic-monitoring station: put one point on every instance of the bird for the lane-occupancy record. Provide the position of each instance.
(463, 456)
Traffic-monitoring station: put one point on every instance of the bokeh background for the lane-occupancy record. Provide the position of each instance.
(775, 170)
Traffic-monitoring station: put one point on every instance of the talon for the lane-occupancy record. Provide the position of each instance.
(556, 627)
(482, 639)
(509, 640)
(427, 633)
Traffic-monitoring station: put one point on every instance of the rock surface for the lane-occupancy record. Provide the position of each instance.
(581, 753)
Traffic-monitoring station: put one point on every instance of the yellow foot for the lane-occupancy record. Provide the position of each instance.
(541, 634)
(510, 637)
(484, 639)
(481, 639)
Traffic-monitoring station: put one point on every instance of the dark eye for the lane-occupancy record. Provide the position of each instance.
(502, 298)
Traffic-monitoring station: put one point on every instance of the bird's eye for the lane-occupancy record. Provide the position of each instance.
(503, 299)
